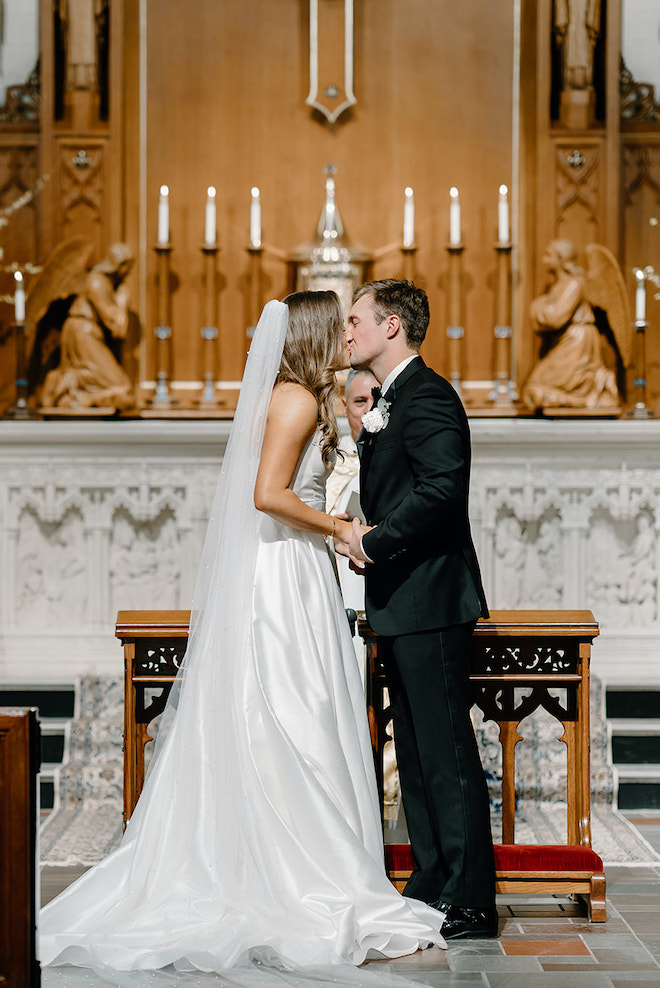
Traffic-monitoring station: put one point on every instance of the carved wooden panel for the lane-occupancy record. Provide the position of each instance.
(18, 227)
(577, 191)
(18, 239)
(641, 238)
(82, 178)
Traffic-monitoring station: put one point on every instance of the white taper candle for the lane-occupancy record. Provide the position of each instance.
(19, 298)
(454, 217)
(164, 215)
(640, 296)
(255, 217)
(209, 218)
(408, 218)
(503, 215)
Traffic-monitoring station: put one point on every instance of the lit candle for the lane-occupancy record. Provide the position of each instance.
(19, 298)
(408, 218)
(255, 218)
(209, 218)
(164, 215)
(503, 215)
(454, 217)
(640, 296)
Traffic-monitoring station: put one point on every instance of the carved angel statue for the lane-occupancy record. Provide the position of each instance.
(580, 311)
(577, 25)
(94, 305)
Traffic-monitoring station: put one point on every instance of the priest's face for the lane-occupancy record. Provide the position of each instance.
(358, 400)
(366, 338)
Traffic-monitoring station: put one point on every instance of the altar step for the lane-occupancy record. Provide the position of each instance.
(56, 706)
(634, 719)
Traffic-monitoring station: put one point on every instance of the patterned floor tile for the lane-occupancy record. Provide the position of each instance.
(644, 924)
(573, 965)
(456, 947)
(490, 963)
(539, 947)
(549, 979)
(635, 980)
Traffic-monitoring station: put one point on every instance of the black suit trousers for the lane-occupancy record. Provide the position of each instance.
(444, 791)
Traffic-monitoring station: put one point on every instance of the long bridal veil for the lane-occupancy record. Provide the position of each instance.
(220, 619)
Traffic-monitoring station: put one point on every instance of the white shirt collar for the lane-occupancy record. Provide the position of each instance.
(393, 374)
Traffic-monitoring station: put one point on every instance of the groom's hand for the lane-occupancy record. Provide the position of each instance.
(355, 552)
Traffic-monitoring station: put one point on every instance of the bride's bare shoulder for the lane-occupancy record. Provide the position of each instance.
(293, 401)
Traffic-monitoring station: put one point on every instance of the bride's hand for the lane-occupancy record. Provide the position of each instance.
(342, 533)
(347, 542)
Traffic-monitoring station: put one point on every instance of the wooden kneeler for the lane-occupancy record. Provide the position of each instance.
(537, 651)
(549, 869)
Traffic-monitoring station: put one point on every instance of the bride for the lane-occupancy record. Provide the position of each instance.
(257, 838)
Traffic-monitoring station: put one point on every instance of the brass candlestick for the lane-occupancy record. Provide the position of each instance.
(208, 397)
(20, 409)
(408, 251)
(455, 331)
(640, 409)
(503, 393)
(255, 287)
(162, 398)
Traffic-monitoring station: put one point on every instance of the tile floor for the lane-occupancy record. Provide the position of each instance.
(544, 942)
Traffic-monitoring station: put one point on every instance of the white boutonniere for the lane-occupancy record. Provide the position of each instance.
(377, 418)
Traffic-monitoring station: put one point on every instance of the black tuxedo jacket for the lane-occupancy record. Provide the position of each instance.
(414, 483)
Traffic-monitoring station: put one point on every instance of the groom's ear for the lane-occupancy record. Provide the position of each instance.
(393, 326)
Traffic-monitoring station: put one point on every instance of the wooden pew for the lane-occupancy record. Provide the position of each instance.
(20, 760)
(540, 650)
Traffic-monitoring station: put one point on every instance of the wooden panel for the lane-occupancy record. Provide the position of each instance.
(226, 91)
(641, 205)
(19, 239)
(19, 764)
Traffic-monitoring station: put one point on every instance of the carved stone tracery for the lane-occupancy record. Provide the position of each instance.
(601, 546)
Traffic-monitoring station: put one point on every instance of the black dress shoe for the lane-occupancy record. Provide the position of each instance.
(462, 923)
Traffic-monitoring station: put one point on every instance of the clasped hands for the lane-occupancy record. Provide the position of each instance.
(348, 542)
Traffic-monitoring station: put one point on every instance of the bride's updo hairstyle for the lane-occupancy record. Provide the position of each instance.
(312, 354)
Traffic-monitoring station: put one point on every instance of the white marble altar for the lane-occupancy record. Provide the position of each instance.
(107, 515)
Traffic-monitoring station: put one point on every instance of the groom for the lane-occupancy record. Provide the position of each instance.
(423, 596)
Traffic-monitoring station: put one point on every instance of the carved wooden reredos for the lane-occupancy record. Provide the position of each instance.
(129, 95)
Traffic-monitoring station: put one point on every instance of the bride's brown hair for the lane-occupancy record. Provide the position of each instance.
(312, 354)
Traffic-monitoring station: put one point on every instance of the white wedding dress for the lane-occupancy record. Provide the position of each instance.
(257, 838)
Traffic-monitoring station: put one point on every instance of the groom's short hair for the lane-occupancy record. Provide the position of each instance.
(403, 299)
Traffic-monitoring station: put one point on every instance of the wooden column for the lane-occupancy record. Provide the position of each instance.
(19, 766)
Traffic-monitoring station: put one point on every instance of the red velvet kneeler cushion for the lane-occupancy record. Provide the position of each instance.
(516, 857)
(546, 857)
